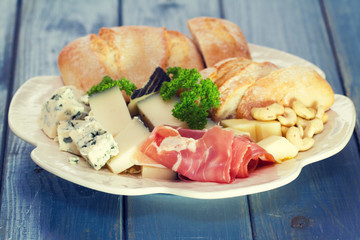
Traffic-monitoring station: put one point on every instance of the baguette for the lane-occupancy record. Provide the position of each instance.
(218, 39)
(183, 52)
(235, 84)
(133, 52)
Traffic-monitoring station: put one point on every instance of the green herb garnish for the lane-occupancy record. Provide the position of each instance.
(197, 96)
(107, 82)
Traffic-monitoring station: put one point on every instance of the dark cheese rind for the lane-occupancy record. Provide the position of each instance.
(153, 85)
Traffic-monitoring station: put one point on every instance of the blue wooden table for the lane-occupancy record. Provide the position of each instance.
(322, 203)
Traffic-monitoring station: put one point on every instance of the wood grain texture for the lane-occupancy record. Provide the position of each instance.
(171, 217)
(344, 22)
(7, 46)
(171, 14)
(162, 216)
(309, 207)
(34, 203)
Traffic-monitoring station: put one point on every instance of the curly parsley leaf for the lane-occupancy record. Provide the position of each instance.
(107, 82)
(197, 96)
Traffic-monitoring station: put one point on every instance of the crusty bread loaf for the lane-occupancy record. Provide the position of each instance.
(183, 52)
(218, 39)
(129, 51)
(236, 84)
(284, 86)
(228, 68)
(133, 52)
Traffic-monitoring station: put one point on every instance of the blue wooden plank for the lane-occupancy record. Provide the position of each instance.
(344, 22)
(171, 217)
(166, 216)
(171, 14)
(320, 203)
(7, 39)
(36, 204)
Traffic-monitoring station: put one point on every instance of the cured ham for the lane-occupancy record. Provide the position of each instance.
(214, 155)
(246, 156)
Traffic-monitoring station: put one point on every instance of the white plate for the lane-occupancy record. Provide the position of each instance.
(25, 109)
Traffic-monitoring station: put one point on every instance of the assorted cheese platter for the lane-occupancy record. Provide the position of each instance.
(27, 104)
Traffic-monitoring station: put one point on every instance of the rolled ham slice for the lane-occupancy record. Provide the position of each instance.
(214, 155)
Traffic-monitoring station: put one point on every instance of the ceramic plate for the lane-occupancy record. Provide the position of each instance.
(25, 109)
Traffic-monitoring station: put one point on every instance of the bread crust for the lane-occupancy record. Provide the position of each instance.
(132, 52)
(284, 86)
(74, 61)
(233, 76)
(233, 89)
(218, 39)
(183, 52)
(128, 51)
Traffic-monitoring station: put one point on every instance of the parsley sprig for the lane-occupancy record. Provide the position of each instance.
(197, 96)
(107, 82)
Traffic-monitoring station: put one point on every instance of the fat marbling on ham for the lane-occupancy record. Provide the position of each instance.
(214, 155)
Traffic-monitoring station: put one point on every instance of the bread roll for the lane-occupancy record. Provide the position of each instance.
(233, 76)
(128, 51)
(132, 52)
(218, 39)
(284, 86)
(228, 68)
(183, 52)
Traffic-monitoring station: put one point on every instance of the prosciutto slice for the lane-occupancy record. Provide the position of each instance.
(246, 155)
(214, 155)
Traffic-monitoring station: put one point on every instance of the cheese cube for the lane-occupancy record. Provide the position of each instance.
(128, 140)
(133, 104)
(110, 110)
(154, 111)
(243, 125)
(64, 104)
(66, 143)
(94, 144)
(265, 129)
(279, 147)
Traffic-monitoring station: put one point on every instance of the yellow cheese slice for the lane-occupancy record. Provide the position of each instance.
(110, 110)
(128, 140)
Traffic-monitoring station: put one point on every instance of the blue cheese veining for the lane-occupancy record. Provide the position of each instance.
(95, 144)
(64, 104)
(66, 143)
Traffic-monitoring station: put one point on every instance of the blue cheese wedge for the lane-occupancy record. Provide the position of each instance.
(66, 143)
(64, 104)
(95, 144)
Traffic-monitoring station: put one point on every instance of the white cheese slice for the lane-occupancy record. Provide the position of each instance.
(158, 173)
(110, 110)
(154, 111)
(266, 129)
(128, 140)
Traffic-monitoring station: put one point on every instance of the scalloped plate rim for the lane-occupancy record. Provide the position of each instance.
(224, 192)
